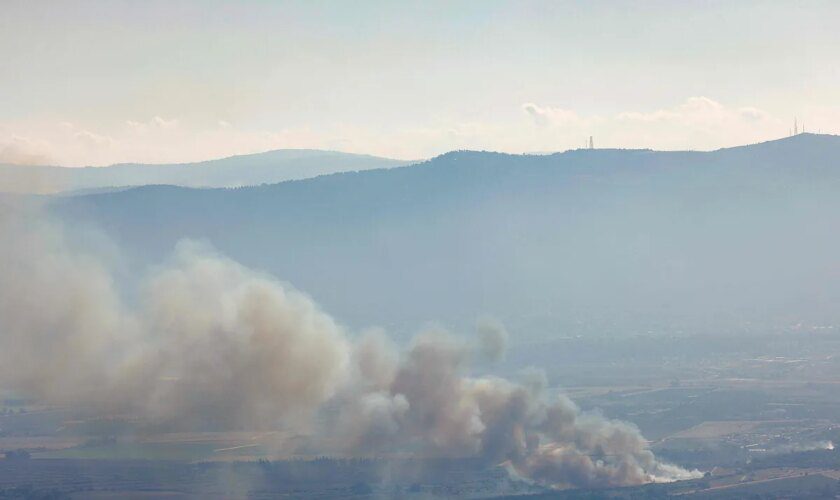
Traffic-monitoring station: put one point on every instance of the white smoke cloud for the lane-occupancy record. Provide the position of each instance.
(800, 447)
(210, 341)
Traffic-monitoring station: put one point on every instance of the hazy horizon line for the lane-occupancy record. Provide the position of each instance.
(414, 160)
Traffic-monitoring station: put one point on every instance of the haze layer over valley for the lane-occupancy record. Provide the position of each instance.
(250, 320)
(420, 250)
(589, 242)
(235, 171)
(201, 343)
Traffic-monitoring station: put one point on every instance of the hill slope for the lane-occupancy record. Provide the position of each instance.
(588, 241)
(244, 170)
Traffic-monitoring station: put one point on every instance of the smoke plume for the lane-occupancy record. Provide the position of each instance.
(493, 338)
(202, 339)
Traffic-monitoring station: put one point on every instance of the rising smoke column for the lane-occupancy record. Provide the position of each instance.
(63, 328)
(238, 345)
(209, 340)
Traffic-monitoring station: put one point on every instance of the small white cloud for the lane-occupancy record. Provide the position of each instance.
(696, 110)
(164, 123)
(93, 140)
(702, 104)
(754, 114)
(698, 122)
(550, 115)
(134, 125)
(156, 123)
(18, 150)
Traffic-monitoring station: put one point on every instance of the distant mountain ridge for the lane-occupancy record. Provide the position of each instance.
(234, 171)
(578, 242)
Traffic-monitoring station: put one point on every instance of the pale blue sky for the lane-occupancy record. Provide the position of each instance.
(109, 81)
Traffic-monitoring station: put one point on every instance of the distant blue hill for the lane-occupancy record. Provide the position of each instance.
(581, 242)
(243, 170)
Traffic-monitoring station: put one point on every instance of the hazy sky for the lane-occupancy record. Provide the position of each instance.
(157, 81)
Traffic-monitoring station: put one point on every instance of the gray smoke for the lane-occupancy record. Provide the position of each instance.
(62, 324)
(205, 339)
(492, 337)
(431, 407)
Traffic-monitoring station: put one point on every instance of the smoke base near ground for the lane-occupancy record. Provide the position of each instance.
(204, 339)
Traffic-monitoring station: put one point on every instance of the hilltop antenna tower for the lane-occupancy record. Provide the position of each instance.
(795, 127)
(591, 143)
